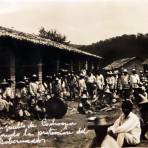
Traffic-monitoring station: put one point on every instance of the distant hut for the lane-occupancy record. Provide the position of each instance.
(128, 63)
(145, 64)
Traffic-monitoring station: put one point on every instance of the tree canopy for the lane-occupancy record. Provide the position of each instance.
(119, 47)
(53, 35)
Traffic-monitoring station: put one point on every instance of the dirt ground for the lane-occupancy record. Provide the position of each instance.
(74, 135)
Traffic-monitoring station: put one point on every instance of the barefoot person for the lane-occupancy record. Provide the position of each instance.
(126, 129)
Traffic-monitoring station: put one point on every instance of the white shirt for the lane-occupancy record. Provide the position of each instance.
(8, 93)
(100, 79)
(134, 78)
(33, 88)
(110, 80)
(124, 79)
(131, 125)
(91, 79)
(82, 84)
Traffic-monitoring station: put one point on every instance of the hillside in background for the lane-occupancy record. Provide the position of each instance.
(118, 47)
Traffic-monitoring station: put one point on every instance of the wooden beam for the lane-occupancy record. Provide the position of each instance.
(40, 71)
(57, 62)
(71, 64)
(12, 69)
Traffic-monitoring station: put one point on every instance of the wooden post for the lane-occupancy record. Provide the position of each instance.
(79, 65)
(40, 72)
(92, 65)
(71, 64)
(12, 69)
(86, 64)
(57, 62)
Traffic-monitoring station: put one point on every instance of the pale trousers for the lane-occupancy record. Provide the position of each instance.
(110, 142)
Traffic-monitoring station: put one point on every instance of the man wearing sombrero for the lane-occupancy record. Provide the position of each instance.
(134, 79)
(126, 129)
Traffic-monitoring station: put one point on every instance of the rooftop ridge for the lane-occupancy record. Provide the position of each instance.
(39, 40)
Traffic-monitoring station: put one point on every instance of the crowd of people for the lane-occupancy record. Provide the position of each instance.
(92, 90)
(103, 90)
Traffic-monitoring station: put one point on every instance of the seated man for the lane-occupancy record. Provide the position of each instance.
(126, 128)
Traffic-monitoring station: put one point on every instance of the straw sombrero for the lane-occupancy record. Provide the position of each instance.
(20, 83)
(100, 121)
(4, 82)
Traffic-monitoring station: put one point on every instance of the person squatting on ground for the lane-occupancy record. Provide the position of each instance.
(126, 129)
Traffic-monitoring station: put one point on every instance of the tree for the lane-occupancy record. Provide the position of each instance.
(53, 35)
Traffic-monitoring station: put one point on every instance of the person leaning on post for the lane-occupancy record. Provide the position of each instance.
(126, 130)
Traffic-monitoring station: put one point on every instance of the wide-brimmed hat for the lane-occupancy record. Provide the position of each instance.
(133, 69)
(125, 70)
(34, 76)
(116, 72)
(92, 118)
(48, 77)
(100, 121)
(57, 79)
(84, 97)
(107, 90)
(4, 82)
(81, 75)
(109, 73)
(142, 88)
(20, 83)
(25, 78)
(10, 81)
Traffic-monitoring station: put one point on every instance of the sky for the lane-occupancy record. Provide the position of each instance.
(81, 21)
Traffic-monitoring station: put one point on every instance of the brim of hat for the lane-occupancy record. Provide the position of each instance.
(4, 83)
(99, 125)
(108, 92)
(10, 81)
(84, 97)
(20, 83)
(26, 78)
(105, 124)
(91, 118)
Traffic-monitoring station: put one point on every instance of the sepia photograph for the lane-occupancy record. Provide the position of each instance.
(73, 73)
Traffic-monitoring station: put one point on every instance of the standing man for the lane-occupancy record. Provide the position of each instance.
(110, 80)
(100, 80)
(134, 79)
(124, 79)
(33, 91)
(81, 84)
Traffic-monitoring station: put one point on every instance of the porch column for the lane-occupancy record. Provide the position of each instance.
(92, 66)
(57, 62)
(86, 65)
(40, 72)
(12, 69)
(71, 64)
(79, 65)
